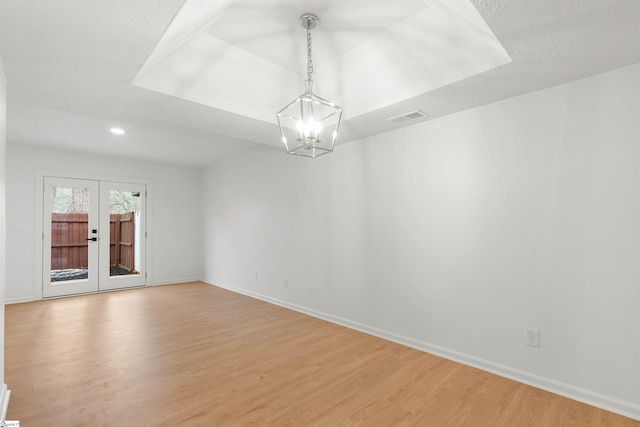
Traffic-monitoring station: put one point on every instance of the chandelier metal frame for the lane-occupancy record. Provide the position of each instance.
(309, 124)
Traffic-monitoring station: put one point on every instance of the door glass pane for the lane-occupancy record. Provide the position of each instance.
(124, 213)
(69, 231)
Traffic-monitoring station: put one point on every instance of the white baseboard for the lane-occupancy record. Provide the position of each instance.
(169, 282)
(18, 300)
(622, 407)
(176, 282)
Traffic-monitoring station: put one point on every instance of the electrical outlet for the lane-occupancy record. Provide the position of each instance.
(533, 337)
(285, 282)
(256, 276)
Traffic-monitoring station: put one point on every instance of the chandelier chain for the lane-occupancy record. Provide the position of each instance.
(309, 60)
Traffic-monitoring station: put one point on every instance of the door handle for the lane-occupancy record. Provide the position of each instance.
(93, 239)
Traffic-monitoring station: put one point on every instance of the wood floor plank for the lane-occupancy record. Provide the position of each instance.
(197, 355)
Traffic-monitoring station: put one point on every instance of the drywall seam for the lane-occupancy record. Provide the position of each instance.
(619, 406)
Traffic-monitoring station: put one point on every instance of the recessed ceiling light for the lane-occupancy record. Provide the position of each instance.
(117, 131)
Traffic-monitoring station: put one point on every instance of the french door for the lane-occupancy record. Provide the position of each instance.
(93, 236)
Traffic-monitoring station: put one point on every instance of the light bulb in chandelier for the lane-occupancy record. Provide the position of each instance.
(309, 132)
(309, 124)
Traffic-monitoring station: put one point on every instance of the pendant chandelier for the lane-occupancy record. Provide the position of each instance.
(309, 124)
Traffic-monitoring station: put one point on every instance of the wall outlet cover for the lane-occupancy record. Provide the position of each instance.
(533, 337)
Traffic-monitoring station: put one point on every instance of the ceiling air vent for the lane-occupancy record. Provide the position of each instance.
(412, 115)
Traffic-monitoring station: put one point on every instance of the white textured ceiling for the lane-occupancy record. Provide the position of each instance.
(71, 65)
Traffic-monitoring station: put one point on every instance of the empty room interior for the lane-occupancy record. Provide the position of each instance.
(329, 212)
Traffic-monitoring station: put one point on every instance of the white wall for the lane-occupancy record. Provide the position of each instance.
(175, 252)
(455, 235)
(3, 129)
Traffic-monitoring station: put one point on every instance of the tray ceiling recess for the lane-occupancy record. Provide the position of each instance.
(248, 56)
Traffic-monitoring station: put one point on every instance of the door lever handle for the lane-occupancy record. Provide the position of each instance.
(93, 239)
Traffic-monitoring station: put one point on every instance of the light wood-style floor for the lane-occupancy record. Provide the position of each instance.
(197, 355)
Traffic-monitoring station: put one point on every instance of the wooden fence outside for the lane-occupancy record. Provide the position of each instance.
(122, 240)
(70, 248)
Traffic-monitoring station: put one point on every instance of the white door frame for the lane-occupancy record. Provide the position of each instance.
(39, 220)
